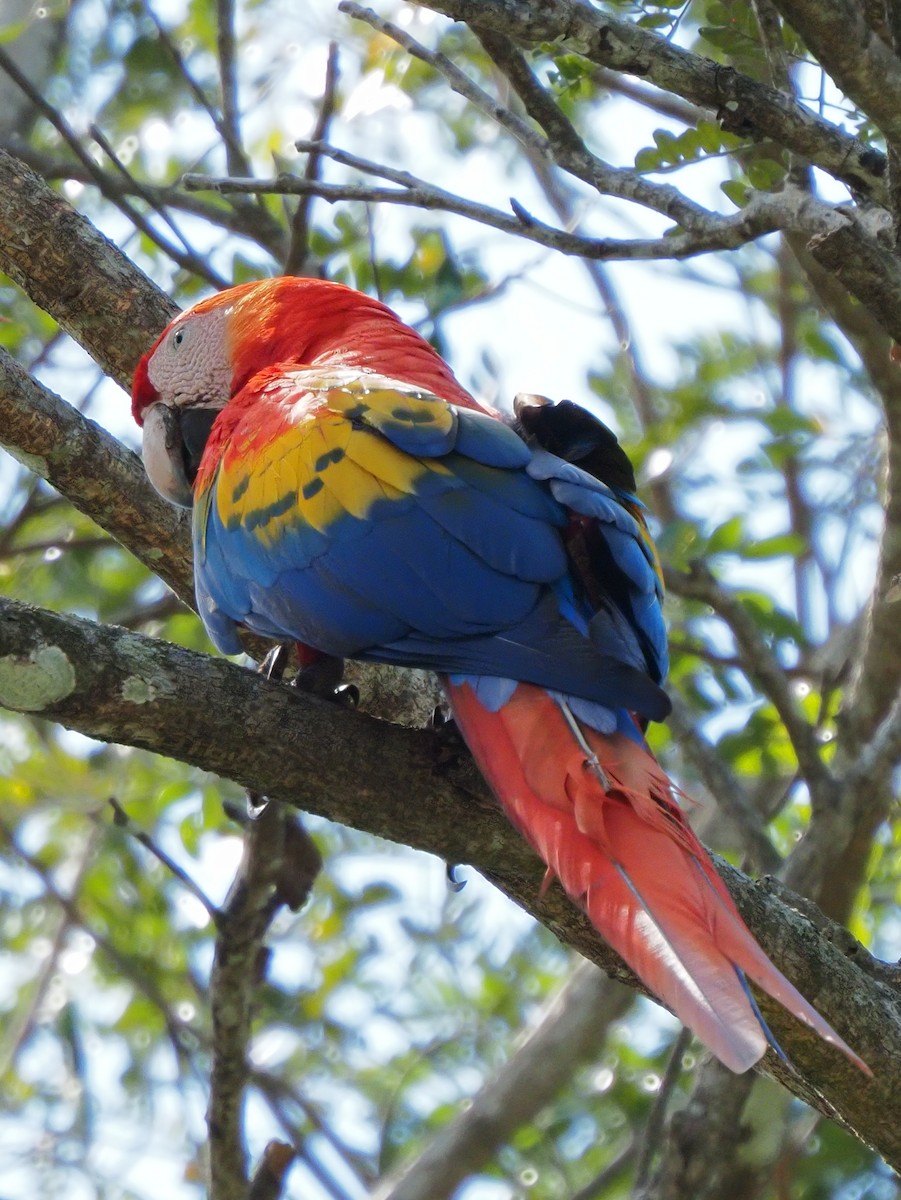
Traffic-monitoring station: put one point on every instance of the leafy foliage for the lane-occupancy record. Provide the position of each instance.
(390, 1000)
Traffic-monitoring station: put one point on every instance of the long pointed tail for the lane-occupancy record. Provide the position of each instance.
(600, 811)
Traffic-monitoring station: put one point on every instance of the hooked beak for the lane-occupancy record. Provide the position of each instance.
(174, 441)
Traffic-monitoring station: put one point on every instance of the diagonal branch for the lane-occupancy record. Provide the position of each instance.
(228, 75)
(301, 228)
(96, 473)
(761, 664)
(185, 258)
(726, 788)
(118, 686)
(574, 1027)
(75, 274)
(863, 66)
(562, 145)
(742, 105)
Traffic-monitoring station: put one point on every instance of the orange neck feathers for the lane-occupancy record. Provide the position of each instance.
(312, 322)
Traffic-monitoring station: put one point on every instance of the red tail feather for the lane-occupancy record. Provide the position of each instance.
(628, 857)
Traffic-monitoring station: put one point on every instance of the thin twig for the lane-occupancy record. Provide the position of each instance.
(574, 1026)
(731, 797)
(766, 213)
(245, 917)
(741, 103)
(564, 146)
(244, 219)
(299, 250)
(762, 665)
(225, 42)
(182, 1036)
(770, 28)
(188, 261)
(880, 754)
(280, 1094)
(654, 1126)
(599, 1187)
(124, 821)
(18, 1028)
(134, 185)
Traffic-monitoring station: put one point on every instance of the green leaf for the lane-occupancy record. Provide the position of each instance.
(726, 537)
(791, 544)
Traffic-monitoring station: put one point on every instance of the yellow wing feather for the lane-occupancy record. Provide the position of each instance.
(324, 459)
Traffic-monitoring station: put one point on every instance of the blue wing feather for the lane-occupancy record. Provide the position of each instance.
(466, 571)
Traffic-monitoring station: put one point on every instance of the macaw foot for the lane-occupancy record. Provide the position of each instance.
(448, 745)
(322, 677)
(442, 720)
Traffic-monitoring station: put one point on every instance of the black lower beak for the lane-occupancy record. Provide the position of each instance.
(196, 424)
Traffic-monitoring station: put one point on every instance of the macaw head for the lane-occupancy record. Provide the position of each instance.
(210, 351)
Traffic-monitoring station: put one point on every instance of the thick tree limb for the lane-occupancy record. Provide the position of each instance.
(242, 924)
(77, 275)
(743, 105)
(118, 686)
(96, 473)
(862, 65)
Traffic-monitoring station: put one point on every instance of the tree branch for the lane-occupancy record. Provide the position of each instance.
(118, 686)
(77, 275)
(563, 145)
(765, 213)
(761, 664)
(726, 789)
(573, 1029)
(742, 105)
(248, 910)
(96, 473)
(863, 66)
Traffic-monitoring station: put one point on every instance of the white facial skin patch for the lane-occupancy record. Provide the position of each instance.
(192, 364)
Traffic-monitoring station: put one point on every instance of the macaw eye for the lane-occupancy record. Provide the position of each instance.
(178, 337)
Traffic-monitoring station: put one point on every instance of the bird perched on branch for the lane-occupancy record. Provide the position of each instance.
(349, 494)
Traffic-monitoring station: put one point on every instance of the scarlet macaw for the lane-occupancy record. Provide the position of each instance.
(352, 496)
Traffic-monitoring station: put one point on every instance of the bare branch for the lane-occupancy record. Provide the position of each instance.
(243, 921)
(563, 145)
(182, 1035)
(185, 259)
(699, 1157)
(726, 789)
(225, 40)
(298, 251)
(761, 664)
(880, 755)
(654, 1126)
(573, 1029)
(773, 44)
(244, 220)
(742, 105)
(764, 214)
(19, 1025)
(76, 274)
(103, 479)
(124, 821)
